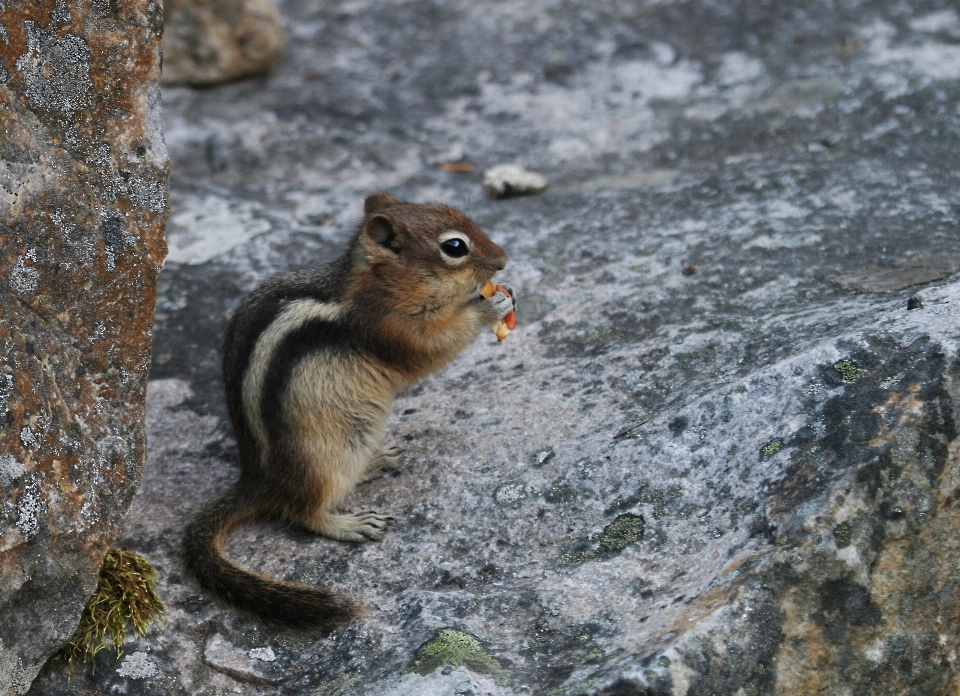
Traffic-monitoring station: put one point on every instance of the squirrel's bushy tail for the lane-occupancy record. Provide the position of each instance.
(285, 605)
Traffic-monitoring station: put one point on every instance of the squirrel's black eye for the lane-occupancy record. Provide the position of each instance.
(455, 248)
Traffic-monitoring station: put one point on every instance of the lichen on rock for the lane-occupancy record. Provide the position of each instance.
(849, 371)
(453, 648)
(83, 176)
(623, 531)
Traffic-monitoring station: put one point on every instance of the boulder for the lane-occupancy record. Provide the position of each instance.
(83, 189)
(719, 452)
(210, 41)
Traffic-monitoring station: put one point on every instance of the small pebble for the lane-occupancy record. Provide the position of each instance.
(510, 180)
(914, 303)
(263, 654)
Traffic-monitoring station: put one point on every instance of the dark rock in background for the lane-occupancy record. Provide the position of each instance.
(83, 188)
(779, 511)
(206, 42)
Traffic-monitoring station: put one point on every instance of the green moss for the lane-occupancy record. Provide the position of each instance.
(659, 504)
(560, 492)
(579, 555)
(452, 648)
(622, 532)
(842, 534)
(125, 598)
(663, 500)
(593, 656)
(771, 448)
(849, 371)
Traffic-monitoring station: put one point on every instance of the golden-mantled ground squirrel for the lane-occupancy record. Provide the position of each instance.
(311, 363)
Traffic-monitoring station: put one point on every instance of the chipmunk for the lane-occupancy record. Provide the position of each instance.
(312, 361)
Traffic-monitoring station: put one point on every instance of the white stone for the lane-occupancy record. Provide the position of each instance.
(512, 180)
(263, 654)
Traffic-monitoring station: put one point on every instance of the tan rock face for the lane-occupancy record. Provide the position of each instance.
(738, 481)
(882, 610)
(861, 589)
(211, 41)
(83, 182)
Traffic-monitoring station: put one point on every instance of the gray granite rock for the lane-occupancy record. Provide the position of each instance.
(704, 462)
(83, 183)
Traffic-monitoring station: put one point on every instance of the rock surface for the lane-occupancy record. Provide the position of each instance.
(83, 187)
(206, 42)
(718, 454)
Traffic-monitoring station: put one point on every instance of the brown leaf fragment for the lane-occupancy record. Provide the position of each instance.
(457, 167)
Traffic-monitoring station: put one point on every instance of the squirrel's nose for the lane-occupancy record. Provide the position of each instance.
(500, 260)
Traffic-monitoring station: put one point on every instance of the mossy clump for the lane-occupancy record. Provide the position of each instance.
(842, 534)
(771, 448)
(581, 551)
(125, 596)
(849, 371)
(622, 532)
(452, 648)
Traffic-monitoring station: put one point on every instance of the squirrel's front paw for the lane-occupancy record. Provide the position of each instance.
(513, 295)
(503, 303)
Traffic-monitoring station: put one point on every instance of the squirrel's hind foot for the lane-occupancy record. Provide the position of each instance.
(356, 528)
(387, 458)
(385, 461)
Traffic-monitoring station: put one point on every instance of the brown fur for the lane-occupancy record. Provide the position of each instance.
(312, 361)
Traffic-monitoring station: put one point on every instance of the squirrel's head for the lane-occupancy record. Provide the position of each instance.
(432, 250)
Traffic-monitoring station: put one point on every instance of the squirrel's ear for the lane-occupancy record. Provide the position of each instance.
(378, 201)
(384, 232)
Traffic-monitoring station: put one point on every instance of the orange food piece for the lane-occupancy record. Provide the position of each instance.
(503, 327)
